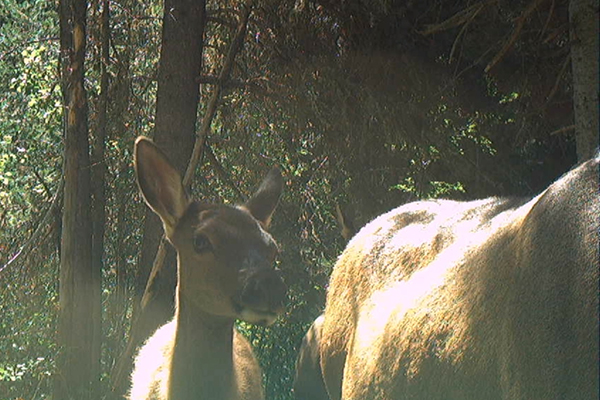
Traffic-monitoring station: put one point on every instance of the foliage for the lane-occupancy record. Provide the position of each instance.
(356, 104)
(30, 113)
(30, 149)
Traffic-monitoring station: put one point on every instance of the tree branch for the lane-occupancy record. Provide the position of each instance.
(220, 21)
(218, 167)
(464, 29)
(211, 110)
(562, 130)
(516, 32)
(561, 73)
(229, 83)
(34, 239)
(457, 19)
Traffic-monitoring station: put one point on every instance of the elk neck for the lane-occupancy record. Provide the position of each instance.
(202, 354)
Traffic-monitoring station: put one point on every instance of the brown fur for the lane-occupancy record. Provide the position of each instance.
(224, 272)
(308, 382)
(494, 299)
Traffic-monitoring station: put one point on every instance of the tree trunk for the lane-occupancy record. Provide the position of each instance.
(78, 337)
(176, 109)
(176, 106)
(584, 33)
(121, 90)
(98, 170)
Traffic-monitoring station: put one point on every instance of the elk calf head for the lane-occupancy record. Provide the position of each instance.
(225, 254)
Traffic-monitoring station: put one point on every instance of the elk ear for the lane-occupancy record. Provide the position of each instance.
(345, 223)
(262, 204)
(160, 183)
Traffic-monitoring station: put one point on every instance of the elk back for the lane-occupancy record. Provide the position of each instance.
(495, 299)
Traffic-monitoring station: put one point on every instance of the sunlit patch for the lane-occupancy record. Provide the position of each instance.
(389, 305)
(385, 315)
(256, 317)
(415, 235)
(151, 372)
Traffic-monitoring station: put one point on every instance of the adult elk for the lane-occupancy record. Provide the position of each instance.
(491, 299)
(224, 272)
(308, 381)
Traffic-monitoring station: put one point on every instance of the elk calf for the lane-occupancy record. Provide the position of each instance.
(224, 272)
(493, 299)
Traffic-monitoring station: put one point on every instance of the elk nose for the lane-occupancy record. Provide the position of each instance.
(264, 290)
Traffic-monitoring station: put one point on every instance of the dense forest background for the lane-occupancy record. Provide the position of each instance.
(364, 105)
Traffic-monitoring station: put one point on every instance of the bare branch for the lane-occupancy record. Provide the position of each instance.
(34, 239)
(561, 73)
(221, 21)
(229, 83)
(520, 22)
(211, 109)
(464, 29)
(548, 19)
(457, 19)
(42, 182)
(562, 130)
(218, 167)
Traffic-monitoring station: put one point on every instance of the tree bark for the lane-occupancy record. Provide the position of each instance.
(176, 110)
(583, 15)
(120, 90)
(98, 164)
(78, 337)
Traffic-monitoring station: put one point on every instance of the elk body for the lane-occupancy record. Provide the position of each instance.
(224, 268)
(493, 299)
(308, 381)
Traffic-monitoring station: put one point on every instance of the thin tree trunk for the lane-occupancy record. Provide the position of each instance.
(176, 109)
(120, 116)
(176, 101)
(583, 15)
(98, 171)
(120, 295)
(77, 363)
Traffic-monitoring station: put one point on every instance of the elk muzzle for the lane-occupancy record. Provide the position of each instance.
(262, 295)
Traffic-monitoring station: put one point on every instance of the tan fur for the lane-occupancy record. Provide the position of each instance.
(224, 259)
(491, 299)
(308, 381)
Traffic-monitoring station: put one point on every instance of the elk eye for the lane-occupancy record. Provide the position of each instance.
(201, 244)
